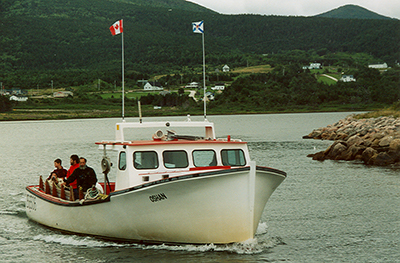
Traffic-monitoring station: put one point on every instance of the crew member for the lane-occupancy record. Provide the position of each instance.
(84, 176)
(74, 161)
(59, 172)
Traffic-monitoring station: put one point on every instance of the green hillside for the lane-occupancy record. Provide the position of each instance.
(69, 41)
(352, 12)
(170, 4)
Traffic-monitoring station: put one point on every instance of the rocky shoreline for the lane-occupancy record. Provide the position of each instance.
(374, 141)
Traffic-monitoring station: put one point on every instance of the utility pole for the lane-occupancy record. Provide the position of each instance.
(52, 87)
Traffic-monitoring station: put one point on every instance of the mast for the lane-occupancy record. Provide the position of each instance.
(198, 27)
(204, 79)
(123, 77)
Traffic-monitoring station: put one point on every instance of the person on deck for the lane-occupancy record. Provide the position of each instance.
(74, 161)
(59, 172)
(84, 176)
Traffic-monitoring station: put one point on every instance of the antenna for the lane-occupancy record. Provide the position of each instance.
(204, 79)
(140, 111)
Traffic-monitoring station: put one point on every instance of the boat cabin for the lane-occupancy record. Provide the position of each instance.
(168, 154)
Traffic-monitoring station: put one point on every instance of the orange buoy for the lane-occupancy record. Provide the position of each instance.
(71, 194)
(47, 190)
(62, 193)
(41, 186)
(54, 192)
(80, 193)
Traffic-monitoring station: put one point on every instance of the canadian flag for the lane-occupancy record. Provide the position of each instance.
(116, 28)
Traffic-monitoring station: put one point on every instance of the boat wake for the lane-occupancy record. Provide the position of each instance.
(248, 247)
(15, 205)
(79, 241)
(257, 245)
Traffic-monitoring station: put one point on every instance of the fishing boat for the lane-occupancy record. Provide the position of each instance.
(170, 188)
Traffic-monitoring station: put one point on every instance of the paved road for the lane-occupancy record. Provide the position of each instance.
(335, 79)
(192, 93)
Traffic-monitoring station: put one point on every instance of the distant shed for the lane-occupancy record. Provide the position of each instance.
(62, 94)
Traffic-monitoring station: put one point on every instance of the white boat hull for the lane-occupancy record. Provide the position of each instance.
(218, 207)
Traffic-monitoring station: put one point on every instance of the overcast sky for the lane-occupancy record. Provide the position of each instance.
(390, 8)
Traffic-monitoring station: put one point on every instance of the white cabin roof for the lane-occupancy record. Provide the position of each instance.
(122, 126)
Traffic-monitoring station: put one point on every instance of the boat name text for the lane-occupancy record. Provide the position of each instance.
(30, 202)
(157, 197)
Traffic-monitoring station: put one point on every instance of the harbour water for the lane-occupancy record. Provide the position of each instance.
(329, 211)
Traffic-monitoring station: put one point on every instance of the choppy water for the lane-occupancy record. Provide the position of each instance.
(323, 212)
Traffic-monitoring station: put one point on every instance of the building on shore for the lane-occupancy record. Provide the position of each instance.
(152, 85)
(192, 85)
(219, 86)
(63, 94)
(378, 66)
(347, 78)
(18, 98)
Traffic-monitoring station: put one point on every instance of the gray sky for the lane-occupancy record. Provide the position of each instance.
(390, 8)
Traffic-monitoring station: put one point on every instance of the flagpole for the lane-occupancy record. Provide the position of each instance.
(204, 79)
(123, 77)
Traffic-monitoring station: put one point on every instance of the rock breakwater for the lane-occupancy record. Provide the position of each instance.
(375, 141)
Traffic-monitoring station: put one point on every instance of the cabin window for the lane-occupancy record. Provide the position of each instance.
(145, 160)
(202, 158)
(234, 157)
(175, 159)
(122, 161)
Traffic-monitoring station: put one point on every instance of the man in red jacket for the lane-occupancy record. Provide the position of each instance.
(74, 160)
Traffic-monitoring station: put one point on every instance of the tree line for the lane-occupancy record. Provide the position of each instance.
(72, 39)
(290, 87)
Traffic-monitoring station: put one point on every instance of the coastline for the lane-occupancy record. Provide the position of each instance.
(373, 141)
(21, 114)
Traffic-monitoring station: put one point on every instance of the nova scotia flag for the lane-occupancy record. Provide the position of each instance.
(198, 27)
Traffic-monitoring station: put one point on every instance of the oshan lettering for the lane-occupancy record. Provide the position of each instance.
(157, 197)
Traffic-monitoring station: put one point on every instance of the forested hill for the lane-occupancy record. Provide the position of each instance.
(74, 35)
(352, 12)
(170, 4)
(37, 8)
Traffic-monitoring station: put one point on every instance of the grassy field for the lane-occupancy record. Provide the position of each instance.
(129, 95)
(322, 75)
(393, 110)
(253, 69)
(325, 79)
(111, 112)
(107, 111)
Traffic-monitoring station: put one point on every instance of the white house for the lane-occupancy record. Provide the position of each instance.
(210, 95)
(313, 66)
(193, 85)
(17, 91)
(62, 94)
(18, 98)
(347, 78)
(384, 65)
(152, 85)
(218, 86)
(225, 68)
